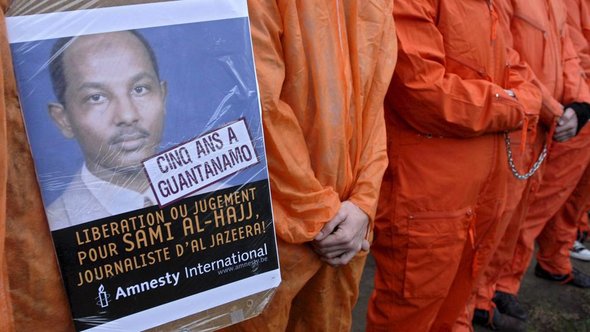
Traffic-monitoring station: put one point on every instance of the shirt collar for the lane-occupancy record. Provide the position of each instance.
(113, 198)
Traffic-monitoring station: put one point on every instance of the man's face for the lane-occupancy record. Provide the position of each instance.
(114, 101)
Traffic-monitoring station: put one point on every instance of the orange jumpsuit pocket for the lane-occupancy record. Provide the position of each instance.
(435, 245)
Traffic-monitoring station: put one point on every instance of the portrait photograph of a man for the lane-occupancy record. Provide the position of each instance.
(100, 104)
(112, 102)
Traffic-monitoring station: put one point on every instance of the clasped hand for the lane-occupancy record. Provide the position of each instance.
(343, 236)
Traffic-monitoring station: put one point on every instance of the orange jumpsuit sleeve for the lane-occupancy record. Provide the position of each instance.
(575, 87)
(373, 163)
(550, 109)
(445, 104)
(373, 152)
(301, 205)
(521, 76)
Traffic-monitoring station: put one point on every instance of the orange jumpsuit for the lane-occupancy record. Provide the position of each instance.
(535, 31)
(445, 186)
(323, 68)
(574, 214)
(558, 68)
(578, 14)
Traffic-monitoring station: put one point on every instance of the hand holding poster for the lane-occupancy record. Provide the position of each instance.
(130, 106)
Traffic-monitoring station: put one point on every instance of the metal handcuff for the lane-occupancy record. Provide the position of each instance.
(512, 166)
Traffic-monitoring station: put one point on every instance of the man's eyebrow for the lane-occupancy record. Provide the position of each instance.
(97, 85)
(91, 85)
(144, 75)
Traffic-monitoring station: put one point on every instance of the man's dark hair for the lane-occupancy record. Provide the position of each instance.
(56, 70)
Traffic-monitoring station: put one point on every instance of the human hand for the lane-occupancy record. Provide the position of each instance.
(343, 236)
(566, 126)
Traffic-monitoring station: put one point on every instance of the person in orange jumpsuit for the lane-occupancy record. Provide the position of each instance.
(578, 204)
(537, 30)
(454, 93)
(323, 70)
(575, 214)
(565, 168)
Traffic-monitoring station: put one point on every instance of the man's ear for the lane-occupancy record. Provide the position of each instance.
(164, 90)
(57, 112)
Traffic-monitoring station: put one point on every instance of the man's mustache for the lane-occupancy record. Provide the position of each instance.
(127, 134)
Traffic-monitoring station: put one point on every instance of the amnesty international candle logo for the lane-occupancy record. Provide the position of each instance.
(103, 297)
(145, 127)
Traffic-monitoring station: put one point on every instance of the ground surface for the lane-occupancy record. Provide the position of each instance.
(551, 307)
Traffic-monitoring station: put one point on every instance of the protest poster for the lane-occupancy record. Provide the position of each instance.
(145, 128)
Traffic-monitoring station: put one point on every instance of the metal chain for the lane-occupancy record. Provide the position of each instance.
(512, 166)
